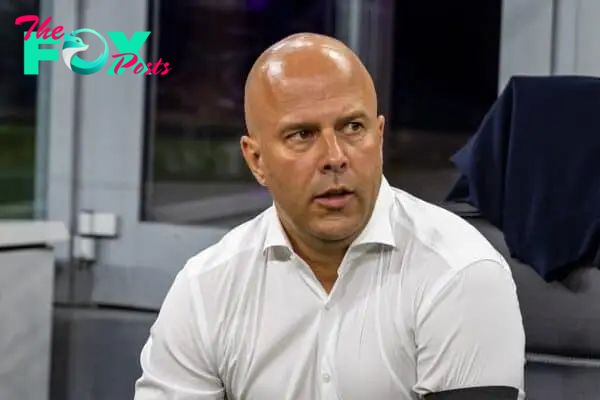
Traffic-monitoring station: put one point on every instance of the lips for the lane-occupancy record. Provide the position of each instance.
(334, 192)
(334, 198)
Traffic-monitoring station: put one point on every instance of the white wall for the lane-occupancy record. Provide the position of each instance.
(587, 39)
(525, 39)
(549, 37)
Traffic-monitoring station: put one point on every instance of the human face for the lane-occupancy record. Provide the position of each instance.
(320, 155)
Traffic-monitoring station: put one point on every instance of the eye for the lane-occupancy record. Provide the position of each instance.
(353, 127)
(301, 135)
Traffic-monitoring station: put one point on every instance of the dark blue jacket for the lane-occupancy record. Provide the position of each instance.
(533, 170)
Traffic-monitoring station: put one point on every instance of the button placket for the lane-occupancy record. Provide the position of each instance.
(328, 340)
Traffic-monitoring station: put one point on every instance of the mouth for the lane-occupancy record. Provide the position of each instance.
(334, 198)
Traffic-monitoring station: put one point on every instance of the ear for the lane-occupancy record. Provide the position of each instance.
(380, 130)
(252, 155)
(380, 126)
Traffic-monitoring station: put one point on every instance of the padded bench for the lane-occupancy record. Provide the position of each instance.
(561, 320)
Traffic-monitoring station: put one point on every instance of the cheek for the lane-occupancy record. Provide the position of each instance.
(289, 173)
(367, 155)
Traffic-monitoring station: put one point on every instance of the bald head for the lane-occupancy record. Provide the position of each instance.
(311, 114)
(299, 64)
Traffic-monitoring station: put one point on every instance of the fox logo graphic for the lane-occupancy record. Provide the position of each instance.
(73, 44)
(127, 58)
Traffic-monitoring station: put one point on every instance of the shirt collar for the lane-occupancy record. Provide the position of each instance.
(378, 229)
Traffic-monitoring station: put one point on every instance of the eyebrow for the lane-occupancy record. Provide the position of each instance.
(358, 114)
(307, 125)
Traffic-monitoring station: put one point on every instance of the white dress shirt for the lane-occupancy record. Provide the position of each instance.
(423, 303)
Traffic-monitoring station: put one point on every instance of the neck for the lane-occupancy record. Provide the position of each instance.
(319, 254)
(323, 257)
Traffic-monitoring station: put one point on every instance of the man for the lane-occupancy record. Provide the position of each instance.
(346, 288)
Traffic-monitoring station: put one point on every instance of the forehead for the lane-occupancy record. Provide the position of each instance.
(314, 99)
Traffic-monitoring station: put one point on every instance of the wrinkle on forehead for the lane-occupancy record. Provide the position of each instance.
(305, 63)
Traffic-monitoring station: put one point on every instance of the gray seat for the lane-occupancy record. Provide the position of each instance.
(562, 325)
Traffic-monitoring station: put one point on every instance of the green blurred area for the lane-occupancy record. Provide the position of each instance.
(192, 160)
(176, 159)
(17, 170)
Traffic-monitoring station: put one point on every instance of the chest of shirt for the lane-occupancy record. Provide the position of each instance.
(287, 339)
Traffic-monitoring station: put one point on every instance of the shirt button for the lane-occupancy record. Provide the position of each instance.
(326, 377)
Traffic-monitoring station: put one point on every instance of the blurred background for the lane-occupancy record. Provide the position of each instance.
(145, 171)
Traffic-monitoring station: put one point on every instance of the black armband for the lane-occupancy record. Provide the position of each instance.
(477, 393)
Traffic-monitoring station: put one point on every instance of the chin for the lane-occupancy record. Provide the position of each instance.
(335, 231)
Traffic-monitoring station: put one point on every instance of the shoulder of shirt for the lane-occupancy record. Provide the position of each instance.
(442, 232)
(243, 241)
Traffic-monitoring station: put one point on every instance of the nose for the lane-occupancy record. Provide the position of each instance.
(335, 159)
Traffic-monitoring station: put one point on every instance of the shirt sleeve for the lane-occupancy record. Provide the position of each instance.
(175, 361)
(470, 332)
